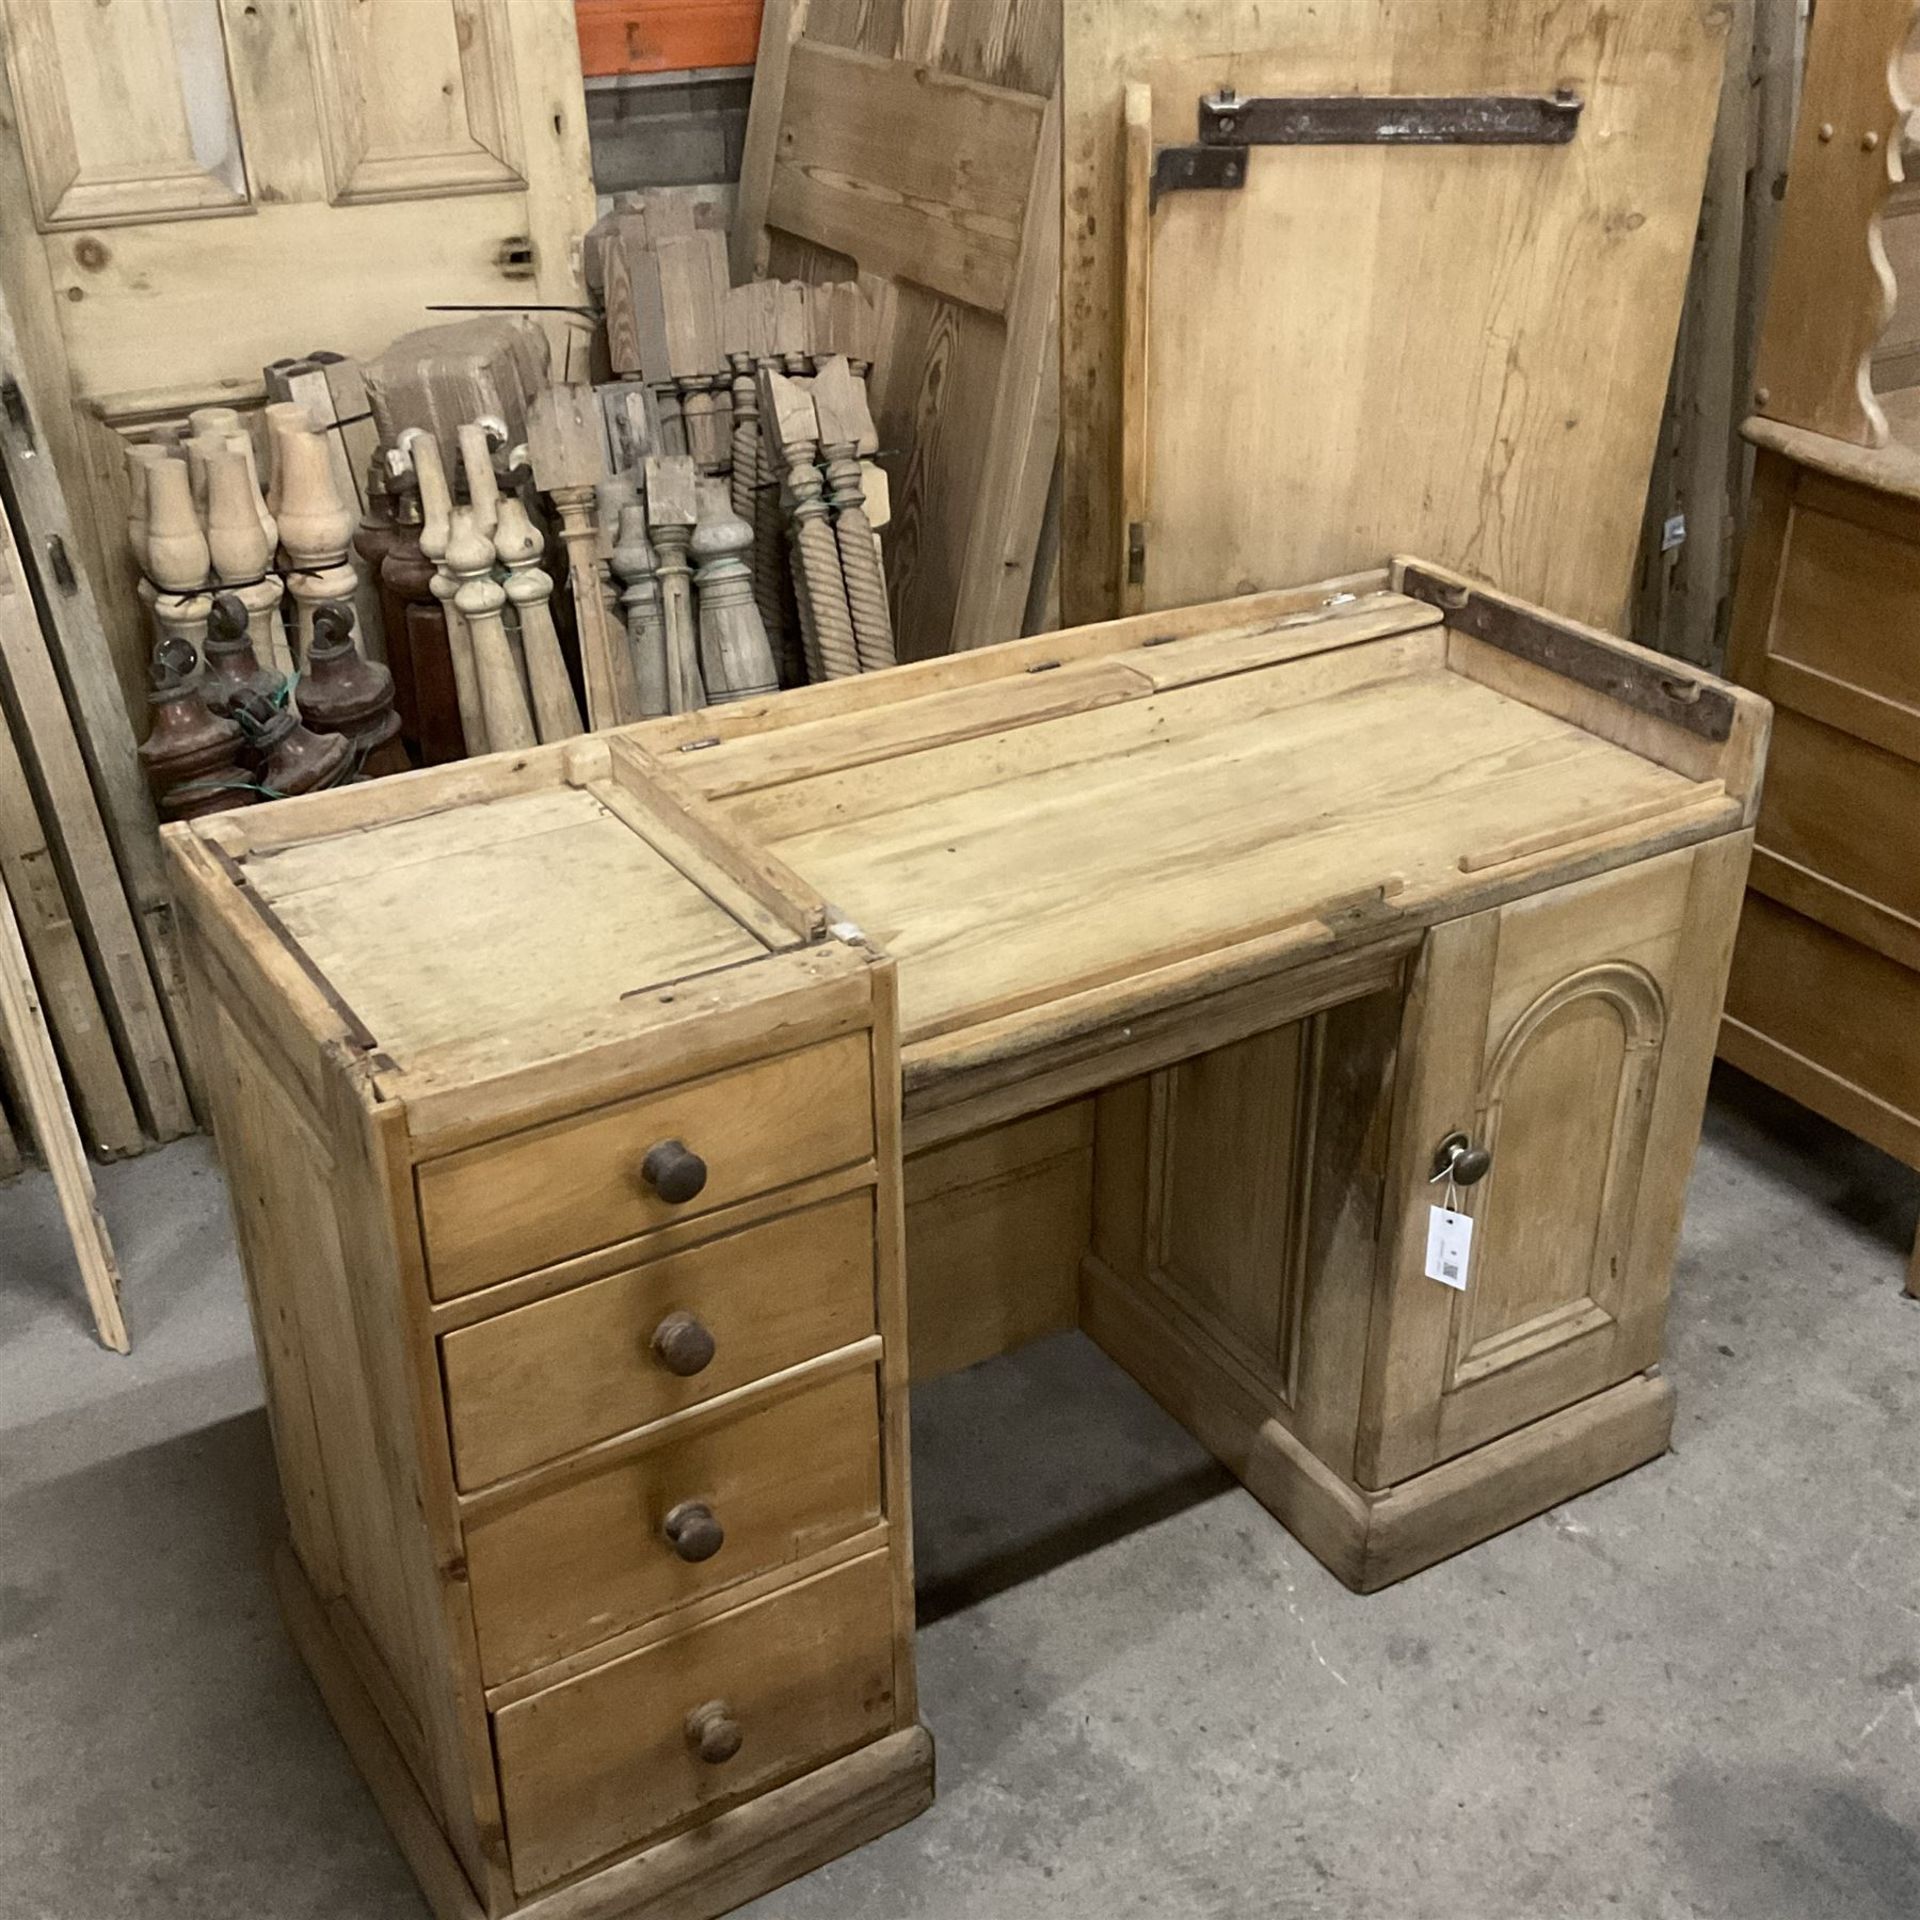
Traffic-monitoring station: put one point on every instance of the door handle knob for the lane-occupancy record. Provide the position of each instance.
(693, 1532)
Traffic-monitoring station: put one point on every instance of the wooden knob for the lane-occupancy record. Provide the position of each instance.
(682, 1345)
(674, 1171)
(1472, 1166)
(713, 1733)
(692, 1531)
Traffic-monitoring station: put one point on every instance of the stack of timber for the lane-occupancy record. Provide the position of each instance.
(738, 432)
(78, 853)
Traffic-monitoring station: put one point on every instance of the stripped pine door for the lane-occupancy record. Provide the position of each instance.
(1459, 351)
(1570, 1036)
(918, 144)
(198, 187)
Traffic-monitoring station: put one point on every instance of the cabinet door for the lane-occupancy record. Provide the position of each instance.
(195, 188)
(1570, 1034)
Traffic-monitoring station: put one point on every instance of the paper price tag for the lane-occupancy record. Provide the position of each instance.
(1449, 1242)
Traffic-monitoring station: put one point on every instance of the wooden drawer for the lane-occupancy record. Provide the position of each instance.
(565, 1568)
(530, 1385)
(512, 1205)
(603, 1762)
(1847, 600)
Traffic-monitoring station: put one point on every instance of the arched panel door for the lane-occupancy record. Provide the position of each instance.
(1570, 1035)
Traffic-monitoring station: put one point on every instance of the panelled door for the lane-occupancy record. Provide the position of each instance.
(195, 188)
(1570, 1036)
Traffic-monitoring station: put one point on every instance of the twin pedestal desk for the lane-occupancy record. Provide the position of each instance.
(615, 1129)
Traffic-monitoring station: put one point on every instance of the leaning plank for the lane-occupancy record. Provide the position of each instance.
(120, 802)
(44, 730)
(31, 878)
(29, 1049)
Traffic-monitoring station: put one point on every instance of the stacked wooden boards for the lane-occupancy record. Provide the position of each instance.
(917, 145)
(1457, 348)
(77, 845)
(1825, 998)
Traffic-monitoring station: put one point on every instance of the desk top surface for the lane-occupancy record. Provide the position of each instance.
(1058, 822)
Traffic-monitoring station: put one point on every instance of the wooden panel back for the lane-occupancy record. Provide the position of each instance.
(1464, 351)
(920, 176)
(936, 108)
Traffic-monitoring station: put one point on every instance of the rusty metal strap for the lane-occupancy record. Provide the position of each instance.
(1667, 693)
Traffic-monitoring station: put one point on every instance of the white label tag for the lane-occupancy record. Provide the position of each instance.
(1449, 1242)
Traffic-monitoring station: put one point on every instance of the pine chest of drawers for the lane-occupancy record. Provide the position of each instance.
(581, 1107)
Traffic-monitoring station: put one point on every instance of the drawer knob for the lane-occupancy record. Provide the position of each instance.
(682, 1345)
(674, 1171)
(713, 1733)
(692, 1531)
(1456, 1158)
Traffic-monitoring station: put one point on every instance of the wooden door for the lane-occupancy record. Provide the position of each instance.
(918, 144)
(1570, 1034)
(1456, 351)
(198, 187)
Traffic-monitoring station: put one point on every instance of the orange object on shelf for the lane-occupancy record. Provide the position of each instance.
(666, 36)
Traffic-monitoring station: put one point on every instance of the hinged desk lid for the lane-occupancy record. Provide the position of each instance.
(1441, 326)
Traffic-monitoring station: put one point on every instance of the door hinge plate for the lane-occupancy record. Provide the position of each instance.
(1229, 126)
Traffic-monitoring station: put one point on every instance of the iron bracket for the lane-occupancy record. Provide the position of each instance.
(1230, 126)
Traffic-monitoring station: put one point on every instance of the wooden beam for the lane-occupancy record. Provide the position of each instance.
(29, 1048)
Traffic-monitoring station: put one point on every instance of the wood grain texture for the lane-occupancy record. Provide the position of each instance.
(575, 1562)
(916, 144)
(1296, 343)
(35, 1070)
(603, 1761)
(1833, 289)
(32, 880)
(770, 1297)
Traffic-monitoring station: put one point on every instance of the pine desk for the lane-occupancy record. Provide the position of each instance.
(573, 1101)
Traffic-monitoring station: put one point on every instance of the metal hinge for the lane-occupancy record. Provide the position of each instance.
(1136, 553)
(1229, 126)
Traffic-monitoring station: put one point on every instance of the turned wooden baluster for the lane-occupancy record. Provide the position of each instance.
(190, 754)
(735, 659)
(529, 589)
(177, 557)
(344, 693)
(841, 410)
(436, 528)
(237, 539)
(315, 528)
(748, 325)
(406, 578)
(293, 758)
(568, 458)
(787, 408)
(640, 604)
(232, 664)
(672, 509)
(480, 600)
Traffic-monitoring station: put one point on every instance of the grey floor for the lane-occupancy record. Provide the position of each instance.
(1693, 1692)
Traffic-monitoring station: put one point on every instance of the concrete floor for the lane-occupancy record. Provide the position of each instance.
(1694, 1692)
